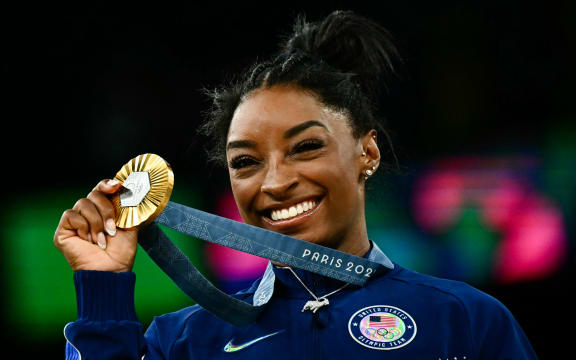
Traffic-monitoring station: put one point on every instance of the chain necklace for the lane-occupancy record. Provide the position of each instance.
(314, 305)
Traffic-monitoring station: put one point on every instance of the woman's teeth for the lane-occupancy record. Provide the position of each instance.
(284, 214)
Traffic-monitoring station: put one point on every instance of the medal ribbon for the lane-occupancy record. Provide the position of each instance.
(246, 238)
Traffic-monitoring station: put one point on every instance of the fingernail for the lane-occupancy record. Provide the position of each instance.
(110, 227)
(102, 240)
(113, 182)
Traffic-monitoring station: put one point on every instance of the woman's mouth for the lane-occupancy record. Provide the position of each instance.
(293, 211)
(294, 214)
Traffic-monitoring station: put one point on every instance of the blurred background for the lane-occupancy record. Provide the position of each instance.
(483, 122)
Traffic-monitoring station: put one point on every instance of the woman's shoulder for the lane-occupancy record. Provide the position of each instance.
(488, 320)
(443, 289)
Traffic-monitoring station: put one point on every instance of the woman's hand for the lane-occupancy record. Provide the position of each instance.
(87, 235)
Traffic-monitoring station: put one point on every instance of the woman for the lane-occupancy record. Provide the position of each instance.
(298, 135)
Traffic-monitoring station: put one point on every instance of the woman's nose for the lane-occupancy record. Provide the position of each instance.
(279, 181)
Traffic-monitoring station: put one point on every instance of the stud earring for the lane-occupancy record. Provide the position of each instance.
(363, 153)
(369, 172)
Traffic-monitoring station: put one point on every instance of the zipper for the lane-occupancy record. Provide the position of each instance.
(316, 351)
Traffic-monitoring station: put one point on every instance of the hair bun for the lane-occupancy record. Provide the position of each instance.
(349, 43)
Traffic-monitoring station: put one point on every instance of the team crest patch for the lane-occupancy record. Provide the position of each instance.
(382, 327)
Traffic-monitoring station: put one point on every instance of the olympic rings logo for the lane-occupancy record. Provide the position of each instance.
(382, 334)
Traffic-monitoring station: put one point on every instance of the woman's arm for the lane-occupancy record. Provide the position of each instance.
(107, 326)
(102, 257)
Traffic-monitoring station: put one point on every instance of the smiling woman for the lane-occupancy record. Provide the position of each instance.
(298, 135)
(294, 162)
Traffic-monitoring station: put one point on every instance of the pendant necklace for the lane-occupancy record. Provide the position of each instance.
(318, 302)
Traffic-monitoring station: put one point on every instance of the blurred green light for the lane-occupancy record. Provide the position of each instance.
(39, 290)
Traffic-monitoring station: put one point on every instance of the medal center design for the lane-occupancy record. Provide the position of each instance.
(136, 187)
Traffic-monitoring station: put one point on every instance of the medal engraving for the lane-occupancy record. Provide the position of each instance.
(147, 182)
(136, 187)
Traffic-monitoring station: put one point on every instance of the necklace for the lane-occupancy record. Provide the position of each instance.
(318, 302)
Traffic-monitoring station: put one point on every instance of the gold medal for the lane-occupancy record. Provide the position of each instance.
(147, 182)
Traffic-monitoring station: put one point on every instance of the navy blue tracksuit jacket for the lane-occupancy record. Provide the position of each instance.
(400, 314)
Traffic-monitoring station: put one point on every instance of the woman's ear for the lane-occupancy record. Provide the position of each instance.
(370, 145)
(370, 154)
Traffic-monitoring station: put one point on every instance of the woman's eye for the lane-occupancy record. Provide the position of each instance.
(242, 162)
(308, 145)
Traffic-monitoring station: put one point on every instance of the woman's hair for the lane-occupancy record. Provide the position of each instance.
(343, 60)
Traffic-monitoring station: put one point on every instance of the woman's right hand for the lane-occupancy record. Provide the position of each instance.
(87, 235)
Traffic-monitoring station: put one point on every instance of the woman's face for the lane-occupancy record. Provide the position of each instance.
(296, 169)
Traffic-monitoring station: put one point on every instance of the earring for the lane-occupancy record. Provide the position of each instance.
(369, 172)
(363, 153)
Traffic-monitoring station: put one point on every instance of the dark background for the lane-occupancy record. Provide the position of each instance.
(85, 90)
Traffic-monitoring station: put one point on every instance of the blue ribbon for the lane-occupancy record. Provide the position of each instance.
(250, 239)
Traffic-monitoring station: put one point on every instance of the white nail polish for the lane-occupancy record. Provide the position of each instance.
(110, 227)
(102, 240)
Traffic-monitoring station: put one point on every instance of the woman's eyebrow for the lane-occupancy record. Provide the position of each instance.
(301, 127)
(238, 144)
(293, 131)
